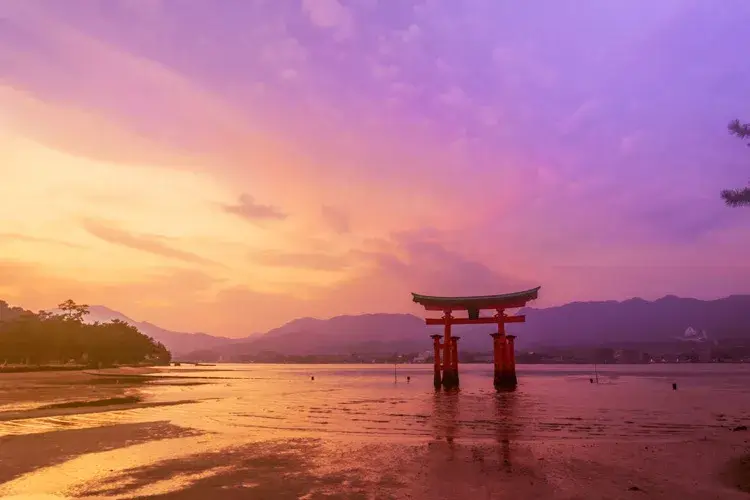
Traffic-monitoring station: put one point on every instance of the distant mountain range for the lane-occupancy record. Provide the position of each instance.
(575, 324)
(176, 342)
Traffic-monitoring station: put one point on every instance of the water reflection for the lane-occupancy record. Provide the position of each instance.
(445, 416)
(507, 424)
(356, 427)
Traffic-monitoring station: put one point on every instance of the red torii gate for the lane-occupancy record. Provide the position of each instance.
(446, 373)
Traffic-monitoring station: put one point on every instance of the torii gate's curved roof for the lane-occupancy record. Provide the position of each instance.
(504, 301)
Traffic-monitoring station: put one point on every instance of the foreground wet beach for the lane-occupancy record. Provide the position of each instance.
(263, 431)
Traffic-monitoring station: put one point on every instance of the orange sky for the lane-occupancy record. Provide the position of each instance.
(140, 170)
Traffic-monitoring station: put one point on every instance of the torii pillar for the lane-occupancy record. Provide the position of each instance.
(498, 351)
(504, 355)
(437, 379)
(510, 361)
(454, 359)
(450, 375)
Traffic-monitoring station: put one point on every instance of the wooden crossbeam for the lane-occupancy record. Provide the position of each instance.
(519, 318)
(510, 304)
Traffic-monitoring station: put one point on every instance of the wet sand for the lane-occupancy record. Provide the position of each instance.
(46, 387)
(271, 432)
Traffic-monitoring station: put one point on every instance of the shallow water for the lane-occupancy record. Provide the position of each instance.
(348, 407)
(367, 400)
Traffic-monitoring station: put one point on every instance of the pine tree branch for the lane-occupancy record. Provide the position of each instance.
(736, 197)
(741, 130)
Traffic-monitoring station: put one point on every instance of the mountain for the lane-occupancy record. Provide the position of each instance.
(342, 334)
(604, 323)
(575, 324)
(177, 342)
(635, 320)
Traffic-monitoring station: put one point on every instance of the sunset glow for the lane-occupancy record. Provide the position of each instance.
(228, 166)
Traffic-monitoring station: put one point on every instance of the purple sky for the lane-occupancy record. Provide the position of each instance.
(320, 157)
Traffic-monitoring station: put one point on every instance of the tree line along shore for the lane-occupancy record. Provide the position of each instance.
(59, 341)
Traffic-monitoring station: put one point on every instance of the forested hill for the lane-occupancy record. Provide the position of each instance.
(45, 338)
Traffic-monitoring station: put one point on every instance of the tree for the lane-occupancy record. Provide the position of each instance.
(73, 312)
(738, 197)
(44, 315)
(45, 338)
(8, 313)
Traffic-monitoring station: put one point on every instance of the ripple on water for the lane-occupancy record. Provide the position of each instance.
(345, 402)
(266, 404)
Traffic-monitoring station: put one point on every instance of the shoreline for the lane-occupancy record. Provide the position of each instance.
(84, 408)
(51, 391)
(67, 368)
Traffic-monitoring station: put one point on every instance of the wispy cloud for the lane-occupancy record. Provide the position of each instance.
(145, 243)
(13, 237)
(330, 14)
(337, 219)
(316, 261)
(454, 97)
(249, 209)
(431, 267)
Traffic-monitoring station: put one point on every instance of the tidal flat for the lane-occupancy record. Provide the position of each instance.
(355, 431)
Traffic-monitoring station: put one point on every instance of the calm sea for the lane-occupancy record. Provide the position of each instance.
(371, 401)
(272, 432)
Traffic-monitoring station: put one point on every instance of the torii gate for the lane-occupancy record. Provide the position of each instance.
(446, 373)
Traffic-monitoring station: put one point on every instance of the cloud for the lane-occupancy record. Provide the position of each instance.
(337, 219)
(411, 261)
(648, 282)
(404, 89)
(410, 34)
(13, 237)
(682, 220)
(317, 261)
(443, 67)
(330, 14)
(287, 50)
(629, 143)
(158, 297)
(521, 68)
(247, 208)
(585, 114)
(67, 128)
(289, 74)
(455, 97)
(419, 261)
(146, 9)
(173, 120)
(487, 116)
(151, 244)
(384, 71)
(432, 268)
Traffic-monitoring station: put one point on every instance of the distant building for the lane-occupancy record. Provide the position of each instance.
(629, 356)
(484, 358)
(425, 357)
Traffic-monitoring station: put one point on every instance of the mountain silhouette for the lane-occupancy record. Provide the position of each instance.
(636, 320)
(176, 342)
(575, 324)
(604, 323)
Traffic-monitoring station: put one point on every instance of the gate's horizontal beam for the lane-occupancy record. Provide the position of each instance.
(520, 318)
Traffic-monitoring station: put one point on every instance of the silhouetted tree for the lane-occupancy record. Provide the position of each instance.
(8, 313)
(43, 338)
(738, 197)
(73, 312)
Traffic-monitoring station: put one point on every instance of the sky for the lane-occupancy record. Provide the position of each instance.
(227, 166)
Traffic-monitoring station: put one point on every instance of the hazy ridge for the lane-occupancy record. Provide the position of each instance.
(576, 323)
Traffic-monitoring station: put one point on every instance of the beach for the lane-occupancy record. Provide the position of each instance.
(270, 431)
